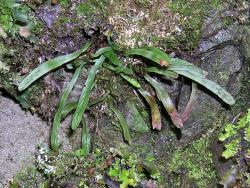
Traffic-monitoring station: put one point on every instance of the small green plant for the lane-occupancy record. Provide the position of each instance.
(128, 170)
(108, 57)
(234, 134)
(124, 173)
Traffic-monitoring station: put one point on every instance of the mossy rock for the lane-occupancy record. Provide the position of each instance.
(92, 19)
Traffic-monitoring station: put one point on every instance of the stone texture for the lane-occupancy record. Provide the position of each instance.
(20, 134)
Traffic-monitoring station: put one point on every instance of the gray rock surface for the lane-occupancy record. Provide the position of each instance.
(20, 134)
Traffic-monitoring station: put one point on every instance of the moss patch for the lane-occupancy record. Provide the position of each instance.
(196, 161)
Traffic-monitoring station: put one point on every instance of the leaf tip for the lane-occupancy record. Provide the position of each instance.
(157, 126)
(21, 87)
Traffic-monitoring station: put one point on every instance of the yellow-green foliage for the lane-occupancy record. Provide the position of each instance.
(234, 133)
(6, 20)
(197, 160)
(122, 171)
(129, 170)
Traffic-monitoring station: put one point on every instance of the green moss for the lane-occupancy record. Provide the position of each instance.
(65, 3)
(12, 15)
(9, 79)
(125, 172)
(227, 21)
(52, 170)
(37, 25)
(6, 20)
(129, 169)
(232, 135)
(191, 18)
(137, 121)
(197, 160)
(91, 7)
(29, 178)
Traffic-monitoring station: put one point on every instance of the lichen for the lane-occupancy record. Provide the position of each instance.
(140, 23)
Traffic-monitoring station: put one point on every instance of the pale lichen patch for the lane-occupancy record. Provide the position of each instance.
(143, 25)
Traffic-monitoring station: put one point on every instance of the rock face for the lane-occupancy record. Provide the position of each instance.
(223, 52)
(20, 135)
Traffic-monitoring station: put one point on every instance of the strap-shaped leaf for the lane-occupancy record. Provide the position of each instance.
(73, 105)
(84, 99)
(131, 80)
(190, 104)
(85, 138)
(58, 114)
(113, 45)
(182, 65)
(109, 54)
(119, 69)
(155, 112)
(50, 65)
(101, 51)
(155, 55)
(159, 52)
(123, 123)
(113, 58)
(210, 85)
(166, 101)
(165, 72)
(161, 93)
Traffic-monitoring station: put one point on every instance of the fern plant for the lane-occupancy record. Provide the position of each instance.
(108, 57)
